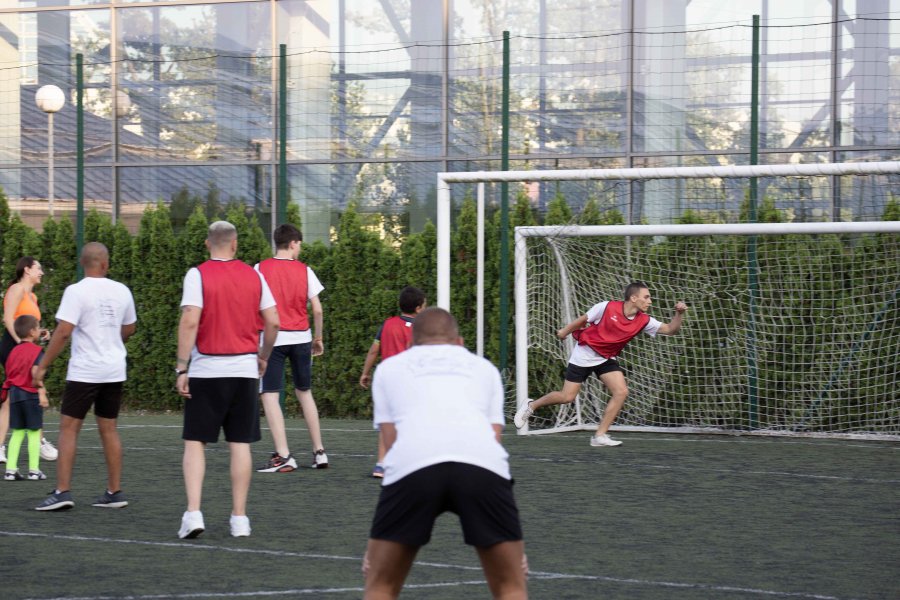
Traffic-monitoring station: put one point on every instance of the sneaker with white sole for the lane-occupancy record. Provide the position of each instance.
(191, 525)
(13, 476)
(378, 472)
(111, 500)
(56, 501)
(523, 414)
(2, 453)
(278, 464)
(36, 476)
(48, 450)
(320, 460)
(604, 440)
(240, 526)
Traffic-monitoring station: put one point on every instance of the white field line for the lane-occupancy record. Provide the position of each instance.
(543, 575)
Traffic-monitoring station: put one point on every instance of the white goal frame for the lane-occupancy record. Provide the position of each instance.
(444, 180)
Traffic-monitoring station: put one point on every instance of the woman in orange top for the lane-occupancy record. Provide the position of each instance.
(20, 300)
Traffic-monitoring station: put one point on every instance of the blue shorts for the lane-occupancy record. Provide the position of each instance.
(25, 411)
(300, 356)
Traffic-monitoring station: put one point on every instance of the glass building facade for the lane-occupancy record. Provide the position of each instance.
(182, 100)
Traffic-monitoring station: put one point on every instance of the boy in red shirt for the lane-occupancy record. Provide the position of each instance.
(393, 337)
(27, 402)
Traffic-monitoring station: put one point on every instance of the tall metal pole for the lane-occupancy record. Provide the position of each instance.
(282, 134)
(50, 182)
(79, 153)
(504, 212)
(753, 265)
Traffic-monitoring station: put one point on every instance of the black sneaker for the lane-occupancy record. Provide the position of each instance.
(57, 501)
(278, 464)
(111, 500)
(320, 460)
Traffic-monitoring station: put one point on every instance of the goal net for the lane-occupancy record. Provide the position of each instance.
(791, 328)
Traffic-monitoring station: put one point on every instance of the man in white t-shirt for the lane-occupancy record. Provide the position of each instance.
(294, 286)
(98, 315)
(224, 305)
(440, 410)
(600, 335)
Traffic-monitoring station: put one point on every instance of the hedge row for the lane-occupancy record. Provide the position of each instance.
(362, 275)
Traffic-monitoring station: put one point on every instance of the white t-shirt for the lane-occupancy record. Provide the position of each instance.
(98, 308)
(584, 356)
(443, 400)
(205, 366)
(314, 287)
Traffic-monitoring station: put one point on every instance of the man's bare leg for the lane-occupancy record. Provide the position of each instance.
(505, 570)
(618, 389)
(566, 395)
(112, 451)
(275, 420)
(194, 466)
(386, 566)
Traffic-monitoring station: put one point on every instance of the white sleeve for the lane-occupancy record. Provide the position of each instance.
(192, 295)
(381, 399)
(595, 311)
(130, 315)
(495, 396)
(69, 309)
(652, 327)
(314, 287)
(266, 299)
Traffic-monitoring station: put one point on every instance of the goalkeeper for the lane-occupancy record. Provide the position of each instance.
(600, 335)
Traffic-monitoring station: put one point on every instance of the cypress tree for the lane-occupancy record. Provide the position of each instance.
(558, 211)
(463, 270)
(191, 247)
(252, 243)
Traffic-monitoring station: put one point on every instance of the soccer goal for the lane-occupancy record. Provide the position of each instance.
(791, 327)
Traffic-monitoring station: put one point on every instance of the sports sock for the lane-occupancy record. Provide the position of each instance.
(15, 444)
(34, 449)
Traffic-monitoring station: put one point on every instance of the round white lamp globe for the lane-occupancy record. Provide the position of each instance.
(49, 98)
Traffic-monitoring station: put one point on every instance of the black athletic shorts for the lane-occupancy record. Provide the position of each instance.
(408, 508)
(577, 374)
(300, 356)
(230, 404)
(7, 343)
(25, 411)
(78, 397)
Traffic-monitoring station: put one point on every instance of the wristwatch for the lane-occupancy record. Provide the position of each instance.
(179, 372)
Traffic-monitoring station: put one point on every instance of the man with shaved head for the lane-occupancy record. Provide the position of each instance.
(440, 409)
(98, 315)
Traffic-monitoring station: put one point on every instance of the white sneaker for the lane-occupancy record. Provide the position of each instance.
(604, 440)
(320, 460)
(240, 526)
(191, 525)
(523, 414)
(48, 450)
(3, 453)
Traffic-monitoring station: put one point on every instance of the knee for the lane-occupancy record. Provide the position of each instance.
(621, 394)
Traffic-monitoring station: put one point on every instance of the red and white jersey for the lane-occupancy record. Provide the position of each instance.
(231, 297)
(18, 366)
(289, 283)
(395, 336)
(608, 331)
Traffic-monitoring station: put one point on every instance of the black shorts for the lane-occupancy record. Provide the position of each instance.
(25, 410)
(482, 499)
(7, 343)
(577, 374)
(300, 356)
(78, 397)
(230, 404)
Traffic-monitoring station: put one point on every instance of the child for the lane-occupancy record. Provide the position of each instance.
(394, 336)
(26, 401)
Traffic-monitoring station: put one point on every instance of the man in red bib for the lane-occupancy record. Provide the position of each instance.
(600, 335)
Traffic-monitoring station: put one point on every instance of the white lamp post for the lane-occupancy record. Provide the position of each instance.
(50, 99)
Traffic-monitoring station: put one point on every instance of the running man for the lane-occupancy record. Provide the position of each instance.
(601, 334)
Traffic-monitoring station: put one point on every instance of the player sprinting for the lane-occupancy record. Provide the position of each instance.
(393, 337)
(601, 334)
(293, 285)
(27, 402)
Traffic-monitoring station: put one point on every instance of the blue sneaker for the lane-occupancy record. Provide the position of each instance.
(57, 501)
(378, 472)
(111, 500)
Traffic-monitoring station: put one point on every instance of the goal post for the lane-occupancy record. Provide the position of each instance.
(540, 363)
(816, 354)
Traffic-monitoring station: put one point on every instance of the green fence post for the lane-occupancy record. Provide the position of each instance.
(753, 264)
(504, 212)
(79, 154)
(282, 134)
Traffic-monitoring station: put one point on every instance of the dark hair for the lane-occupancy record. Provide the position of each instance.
(285, 234)
(633, 288)
(24, 324)
(411, 298)
(26, 262)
